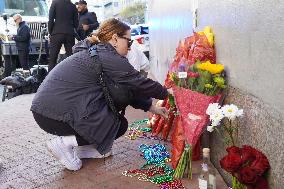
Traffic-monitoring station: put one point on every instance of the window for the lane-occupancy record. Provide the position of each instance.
(144, 30)
(26, 8)
(134, 31)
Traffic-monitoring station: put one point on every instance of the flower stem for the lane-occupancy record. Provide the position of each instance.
(189, 163)
(231, 130)
(236, 184)
(237, 128)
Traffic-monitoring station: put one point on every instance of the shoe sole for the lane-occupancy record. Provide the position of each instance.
(91, 156)
(107, 155)
(50, 147)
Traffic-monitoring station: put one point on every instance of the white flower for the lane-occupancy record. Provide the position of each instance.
(231, 111)
(212, 108)
(216, 116)
(240, 113)
(215, 123)
(210, 128)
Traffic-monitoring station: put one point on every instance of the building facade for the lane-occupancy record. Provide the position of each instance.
(249, 42)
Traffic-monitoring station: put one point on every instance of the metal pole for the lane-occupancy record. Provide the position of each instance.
(4, 93)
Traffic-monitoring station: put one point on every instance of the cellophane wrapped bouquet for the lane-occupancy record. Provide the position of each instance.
(197, 80)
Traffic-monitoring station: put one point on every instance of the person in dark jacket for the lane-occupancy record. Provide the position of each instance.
(63, 21)
(87, 20)
(22, 40)
(71, 103)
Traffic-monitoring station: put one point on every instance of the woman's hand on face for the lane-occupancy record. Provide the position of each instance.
(159, 110)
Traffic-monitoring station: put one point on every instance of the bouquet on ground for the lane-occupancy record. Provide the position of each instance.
(196, 81)
(247, 165)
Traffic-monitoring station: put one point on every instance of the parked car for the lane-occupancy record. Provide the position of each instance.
(35, 14)
(140, 33)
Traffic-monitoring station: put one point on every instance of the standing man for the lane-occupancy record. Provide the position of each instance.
(63, 21)
(87, 20)
(22, 40)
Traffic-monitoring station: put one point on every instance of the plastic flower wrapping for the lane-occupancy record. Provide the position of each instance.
(196, 81)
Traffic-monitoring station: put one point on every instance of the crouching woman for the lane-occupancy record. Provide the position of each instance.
(71, 103)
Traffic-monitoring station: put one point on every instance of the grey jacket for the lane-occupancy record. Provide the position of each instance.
(70, 93)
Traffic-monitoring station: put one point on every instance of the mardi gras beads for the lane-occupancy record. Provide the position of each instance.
(134, 133)
(162, 179)
(154, 153)
(137, 132)
(155, 169)
(175, 184)
(146, 129)
(139, 122)
(158, 174)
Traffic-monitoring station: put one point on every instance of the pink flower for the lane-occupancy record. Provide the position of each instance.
(192, 74)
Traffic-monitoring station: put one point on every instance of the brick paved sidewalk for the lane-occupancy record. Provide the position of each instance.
(27, 164)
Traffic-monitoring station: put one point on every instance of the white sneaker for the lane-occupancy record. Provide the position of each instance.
(89, 151)
(64, 153)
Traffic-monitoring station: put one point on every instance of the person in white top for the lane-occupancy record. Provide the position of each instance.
(138, 59)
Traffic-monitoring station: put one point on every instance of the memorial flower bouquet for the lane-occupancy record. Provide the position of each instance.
(196, 81)
(247, 165)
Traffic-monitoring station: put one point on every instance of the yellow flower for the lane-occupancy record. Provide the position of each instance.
(172, 76)
(207, 29)
(212, 68)
(219, 80)
(210, 38)
(209, 86)
(200, 33)
(209, 35)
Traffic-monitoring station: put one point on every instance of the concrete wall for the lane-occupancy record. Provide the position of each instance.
(250, 43)
(170, 21)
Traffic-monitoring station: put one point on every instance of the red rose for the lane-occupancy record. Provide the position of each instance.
(233, 150)
(260, 164)
(247, 176)
(248, 154)
(250, 149)
(255, 159)
(231, 162)
(261, 183)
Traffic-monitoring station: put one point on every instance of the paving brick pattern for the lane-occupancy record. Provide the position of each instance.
(25, 162)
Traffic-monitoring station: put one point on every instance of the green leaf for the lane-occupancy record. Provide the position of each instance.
(172, 101)
(191, 83)
(175, 79)
(194, 67)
